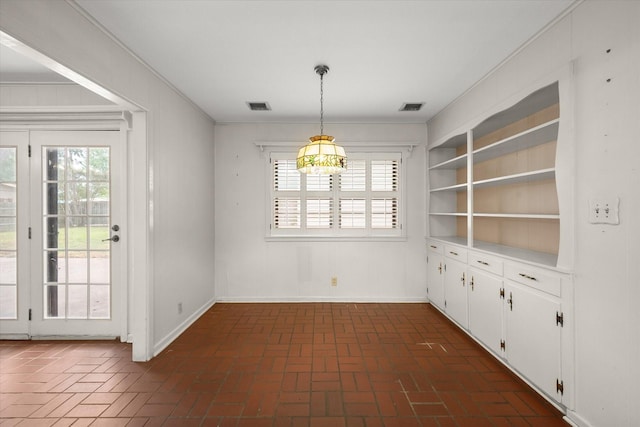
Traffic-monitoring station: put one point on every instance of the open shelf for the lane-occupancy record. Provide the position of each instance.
(542, 258)
(538, 175)
(455, 163)
(449, 213)
(457, 240)
(457, 187)
(535, 102)
(517, 216)
(514, 201)
(538, 135)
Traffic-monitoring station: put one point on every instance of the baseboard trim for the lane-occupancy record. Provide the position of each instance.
(171, 336)
(345, 300)
(14, 337)
(576, 420)
(74, 337)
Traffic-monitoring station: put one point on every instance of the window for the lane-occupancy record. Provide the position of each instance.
(364, 201)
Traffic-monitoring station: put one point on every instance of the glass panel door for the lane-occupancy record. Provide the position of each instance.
(14, 227)
(77, 290)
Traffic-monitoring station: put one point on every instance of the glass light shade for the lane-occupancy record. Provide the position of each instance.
(321, 156)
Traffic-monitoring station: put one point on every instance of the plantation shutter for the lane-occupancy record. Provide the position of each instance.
(286, 200)
(364, 201)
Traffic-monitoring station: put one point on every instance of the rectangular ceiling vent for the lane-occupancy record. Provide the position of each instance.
(259, 106)
(412, 106)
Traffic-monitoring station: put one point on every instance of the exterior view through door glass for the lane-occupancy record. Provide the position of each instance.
(76, 232)
(8, 235)
(76, 287)
(14, 225)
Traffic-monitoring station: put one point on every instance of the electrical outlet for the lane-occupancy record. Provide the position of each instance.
(604, 211)
(334, 281)
(179, 308)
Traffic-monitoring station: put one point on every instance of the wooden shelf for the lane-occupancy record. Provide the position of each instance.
(536, 101)
(517, 216)
(457, 240)
(453, 142)
(449, 213)
(513, 197)
(538, 135)
(455, 163)
(457, 187)
(542, 258)
(538, 175)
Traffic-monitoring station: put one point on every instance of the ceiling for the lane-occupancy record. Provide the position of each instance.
(17, 68)
(381, 54)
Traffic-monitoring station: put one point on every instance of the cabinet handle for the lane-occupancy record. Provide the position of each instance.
(462, 279)
(510, 301)
(440, 268)
(434, 246)
(453, 253)
(472, 283)
(482, 262)
(526, 276)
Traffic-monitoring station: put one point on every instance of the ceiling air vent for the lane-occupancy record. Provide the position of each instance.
(259, 106)
(413, 106)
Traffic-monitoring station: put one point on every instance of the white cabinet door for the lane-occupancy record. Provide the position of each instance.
(485, 308)
(435, 285)
(455, 291)
(533, 338)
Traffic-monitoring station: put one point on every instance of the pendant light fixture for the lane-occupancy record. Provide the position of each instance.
(321, 156)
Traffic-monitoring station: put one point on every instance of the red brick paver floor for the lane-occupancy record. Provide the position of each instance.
(275, 365)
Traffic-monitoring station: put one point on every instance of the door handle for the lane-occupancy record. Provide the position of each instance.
(114, 239)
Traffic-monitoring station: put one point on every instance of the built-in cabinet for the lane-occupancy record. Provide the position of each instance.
(494, 240)
(447, 280)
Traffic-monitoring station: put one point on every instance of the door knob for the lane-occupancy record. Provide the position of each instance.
(114, 239)
(116, 227)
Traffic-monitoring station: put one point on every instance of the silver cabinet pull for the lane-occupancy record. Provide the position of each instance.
(482, 262)
(526, 276)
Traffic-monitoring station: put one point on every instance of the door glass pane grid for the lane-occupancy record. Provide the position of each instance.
(8, 234)
(76, 223)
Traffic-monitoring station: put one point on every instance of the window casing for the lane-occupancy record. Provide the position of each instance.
(365, 201)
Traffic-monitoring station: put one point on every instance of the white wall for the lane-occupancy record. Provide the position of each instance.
(248, 268)
(607, 154)
(179, 153)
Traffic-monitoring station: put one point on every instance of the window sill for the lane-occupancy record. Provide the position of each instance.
(310, 238)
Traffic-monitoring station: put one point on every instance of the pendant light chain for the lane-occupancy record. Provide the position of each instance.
(321, 104)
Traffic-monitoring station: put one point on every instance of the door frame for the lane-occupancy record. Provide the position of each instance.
(137, 321)
(62, 328)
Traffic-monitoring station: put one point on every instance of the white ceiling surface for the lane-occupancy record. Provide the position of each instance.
(17, 68)
(381, 54)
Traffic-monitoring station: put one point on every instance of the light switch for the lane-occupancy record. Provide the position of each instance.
(604, 211)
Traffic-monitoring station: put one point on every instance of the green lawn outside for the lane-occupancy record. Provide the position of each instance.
(77, 238)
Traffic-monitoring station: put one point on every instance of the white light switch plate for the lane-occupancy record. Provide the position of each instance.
(604, 211)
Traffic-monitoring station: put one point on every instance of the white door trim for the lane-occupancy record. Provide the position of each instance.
(137, 328)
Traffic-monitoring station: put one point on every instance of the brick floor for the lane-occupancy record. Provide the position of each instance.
(275, 365)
